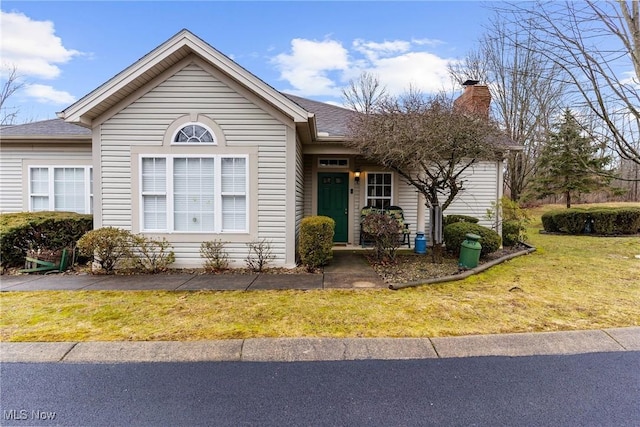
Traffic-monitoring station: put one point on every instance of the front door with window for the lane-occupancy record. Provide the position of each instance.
(333, 201)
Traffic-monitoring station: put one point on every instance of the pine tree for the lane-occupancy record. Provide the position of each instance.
(569, 163)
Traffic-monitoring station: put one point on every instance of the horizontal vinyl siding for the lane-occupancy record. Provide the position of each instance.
(308, 185)
(144, 122)
(407, 199)
(272, 211)
(189, 254)
(190, 90)
(12, 157)
(479, 193)
(300, 187)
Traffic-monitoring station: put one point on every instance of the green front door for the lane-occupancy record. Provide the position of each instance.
(333, 201)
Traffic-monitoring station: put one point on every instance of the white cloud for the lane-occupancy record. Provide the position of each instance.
(307, 68)
(32, 46)
(375, 50)
(422, 70)
(48, 95)
(322, 68)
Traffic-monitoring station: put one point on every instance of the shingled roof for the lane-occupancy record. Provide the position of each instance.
(46, 128)
(330, 119)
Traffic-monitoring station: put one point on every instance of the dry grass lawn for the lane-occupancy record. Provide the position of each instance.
(571, 282)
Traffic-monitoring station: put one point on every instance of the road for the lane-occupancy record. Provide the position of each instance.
(599, 389)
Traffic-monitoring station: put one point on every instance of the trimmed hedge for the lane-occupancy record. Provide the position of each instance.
(454, 235)
(22, 231)
(452, 219)
(316, 241)
(602, 221)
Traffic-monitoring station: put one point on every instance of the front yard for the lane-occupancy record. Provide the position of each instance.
(570, 282)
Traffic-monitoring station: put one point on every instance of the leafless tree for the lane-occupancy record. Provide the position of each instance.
(10, 85)
(597, 46)
(428, 142)
(525, 94)
(364, 93)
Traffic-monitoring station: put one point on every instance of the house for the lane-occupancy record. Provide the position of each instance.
(188, 145)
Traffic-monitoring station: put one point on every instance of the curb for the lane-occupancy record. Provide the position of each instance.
(325, 349)
(466, 273)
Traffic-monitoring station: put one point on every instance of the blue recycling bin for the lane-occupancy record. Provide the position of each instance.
(420, 244)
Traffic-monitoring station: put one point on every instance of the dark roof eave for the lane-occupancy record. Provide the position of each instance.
(45, 138)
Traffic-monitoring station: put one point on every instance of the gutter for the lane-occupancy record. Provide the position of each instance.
(467, 273)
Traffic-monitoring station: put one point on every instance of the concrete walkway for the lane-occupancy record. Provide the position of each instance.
(324, 349)
(348, 270)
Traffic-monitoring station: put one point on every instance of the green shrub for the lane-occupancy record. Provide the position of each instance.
(151, 255)
(602, 221)
(513, 218)
(454, 235)
(628, 220)
(384, 231)
(513, 232)
(215, 257)
(572, 221)
(549, 222)
(108, 245)
(315, 241)
(452, 219)
(23, 231)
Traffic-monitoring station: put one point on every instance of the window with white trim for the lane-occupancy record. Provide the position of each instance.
(61, 188)
(194, 193)
(379, 189)
(333, 163)
(194, 133)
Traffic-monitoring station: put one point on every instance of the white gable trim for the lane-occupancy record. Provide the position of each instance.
(81, 111)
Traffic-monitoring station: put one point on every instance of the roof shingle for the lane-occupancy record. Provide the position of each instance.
(53, 128)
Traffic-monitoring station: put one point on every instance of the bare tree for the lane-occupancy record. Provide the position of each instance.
(524, 97)
(430, 143)
(597, 46)
(364, 93)
(10, 85)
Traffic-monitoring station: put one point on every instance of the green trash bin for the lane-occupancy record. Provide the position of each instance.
(470, 252)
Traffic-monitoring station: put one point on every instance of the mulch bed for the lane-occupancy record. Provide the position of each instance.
(413, 267)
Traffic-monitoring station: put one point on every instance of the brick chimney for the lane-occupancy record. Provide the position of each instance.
(475, 99)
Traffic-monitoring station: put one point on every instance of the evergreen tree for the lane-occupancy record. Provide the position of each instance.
(569, 162)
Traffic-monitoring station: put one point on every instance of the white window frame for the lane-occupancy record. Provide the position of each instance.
(330, 159)
(208, 129)
(88, 190)
(169, 192)
(366, 189)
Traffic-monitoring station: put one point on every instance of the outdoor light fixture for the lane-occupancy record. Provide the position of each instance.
(356, 176)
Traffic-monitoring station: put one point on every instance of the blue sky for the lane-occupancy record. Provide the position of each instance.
(63, 50)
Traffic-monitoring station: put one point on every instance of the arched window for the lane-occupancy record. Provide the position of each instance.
(194, 133)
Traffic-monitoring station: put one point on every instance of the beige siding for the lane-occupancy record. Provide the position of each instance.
(407, 199)
(481, 190)
(143, 123)
(300, 189)
(308, 185)
(272, 211)
(14, 158)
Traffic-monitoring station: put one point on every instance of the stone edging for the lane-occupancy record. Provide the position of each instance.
(466, 273)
